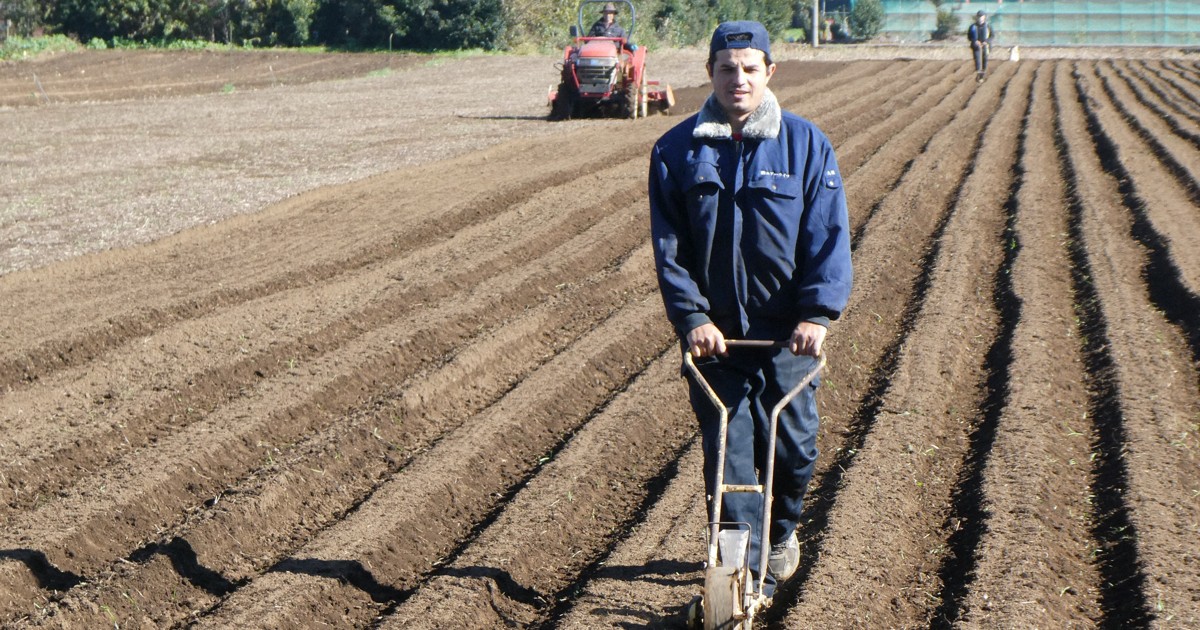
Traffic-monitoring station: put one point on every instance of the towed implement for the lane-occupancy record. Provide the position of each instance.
(605, 75)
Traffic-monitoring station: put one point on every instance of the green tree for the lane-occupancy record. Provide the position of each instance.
(26, 15)
(452, 24)
(356, 24)
(682, 22)
(947, 23)
(866, 19)
(138, 20)
(287, 22)
(776, 15)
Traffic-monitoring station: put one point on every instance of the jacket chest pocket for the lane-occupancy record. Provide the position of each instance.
(702, 187)
(781, 186)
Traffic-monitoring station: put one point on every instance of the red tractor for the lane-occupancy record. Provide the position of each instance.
(604, 72)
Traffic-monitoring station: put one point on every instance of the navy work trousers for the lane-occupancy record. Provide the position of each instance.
(751, 382)
(981, 58)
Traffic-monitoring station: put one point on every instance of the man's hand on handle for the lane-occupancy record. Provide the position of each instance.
(706, 341)
(807, 339)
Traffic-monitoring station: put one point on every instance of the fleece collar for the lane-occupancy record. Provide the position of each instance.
(763, 123)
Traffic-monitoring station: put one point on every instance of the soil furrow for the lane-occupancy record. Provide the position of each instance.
(1143, 393)
(315, 482)
(233, 444)
(133, 312)
(967, 523)
(1035, 554)
(1190, 80)
(1156, 101)
(860, 143)
(827, 92)
(885, 99)
(137, 419)
(887, 527)
(887, 152)
(403, 529)
(1176, 154)
(891, 89)
(1166, 219)
(653, 573)
(1153, 77)
(1122, 588)
(1191, 83)
(563, 519)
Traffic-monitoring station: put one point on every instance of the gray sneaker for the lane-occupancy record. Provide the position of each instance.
(784, 558)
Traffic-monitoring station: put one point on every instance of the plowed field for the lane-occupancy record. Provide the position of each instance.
(387, 351)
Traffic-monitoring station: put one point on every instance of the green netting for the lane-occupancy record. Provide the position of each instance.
(1058, 22)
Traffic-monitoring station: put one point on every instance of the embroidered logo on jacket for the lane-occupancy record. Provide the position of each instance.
(832, 179)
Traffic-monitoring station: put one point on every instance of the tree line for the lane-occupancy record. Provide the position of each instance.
(377, 24)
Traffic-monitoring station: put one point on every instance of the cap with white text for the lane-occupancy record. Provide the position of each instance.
(740, 34)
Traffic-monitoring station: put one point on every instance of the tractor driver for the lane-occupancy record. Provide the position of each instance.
(607, 25)
(751, 240)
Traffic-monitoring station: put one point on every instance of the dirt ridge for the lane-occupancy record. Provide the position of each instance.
(445, 394)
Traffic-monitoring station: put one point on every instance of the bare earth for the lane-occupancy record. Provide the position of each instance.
(300, 340)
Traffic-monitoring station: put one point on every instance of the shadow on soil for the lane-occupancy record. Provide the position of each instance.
(47, 575)
(466, 117)
(1168, 289)
(664, 572)
(187, 565)
(504, 581)
(1123, 588)
(349, 572)
(671, 573)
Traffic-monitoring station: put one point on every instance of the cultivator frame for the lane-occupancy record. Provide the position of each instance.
(731, 596)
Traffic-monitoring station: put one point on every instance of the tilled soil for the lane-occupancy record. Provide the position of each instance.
(426, 381)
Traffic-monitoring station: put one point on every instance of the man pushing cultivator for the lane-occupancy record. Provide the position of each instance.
(752, 250)
(979, 35)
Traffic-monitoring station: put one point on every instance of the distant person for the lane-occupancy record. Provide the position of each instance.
(607, 25)
(980, 36)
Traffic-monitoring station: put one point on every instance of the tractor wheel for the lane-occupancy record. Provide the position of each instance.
(631, 101)
(564, 103)
(643, 96)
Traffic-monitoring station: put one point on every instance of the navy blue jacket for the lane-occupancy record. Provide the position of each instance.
(751, 235)
(979, 33)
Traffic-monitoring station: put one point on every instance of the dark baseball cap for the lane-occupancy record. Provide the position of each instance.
(740, 34)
